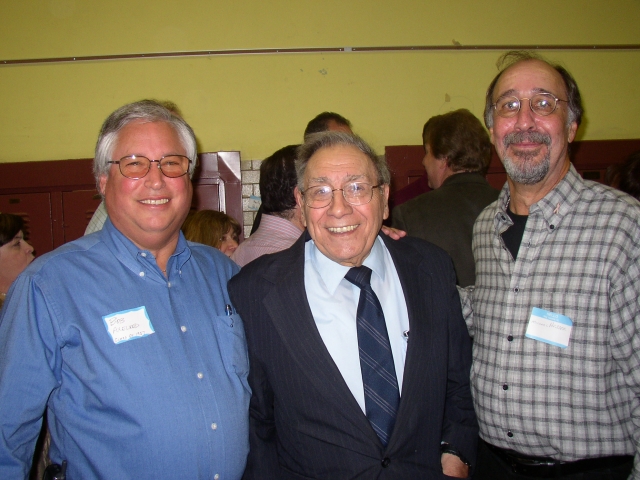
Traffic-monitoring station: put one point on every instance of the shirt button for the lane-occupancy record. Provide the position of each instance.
(510, 338)
(200, 375)
(169, 284)
(216, 476)
(183, 328)
(552, 227)
(516, 289)
(141, 274)
(385, 462)
(214, 426)
(509, 434)
(143, 254)
(505, 387)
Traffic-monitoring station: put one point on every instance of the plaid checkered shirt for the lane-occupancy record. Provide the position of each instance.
(579, 257)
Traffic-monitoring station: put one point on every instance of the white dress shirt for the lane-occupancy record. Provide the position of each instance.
(334, 304)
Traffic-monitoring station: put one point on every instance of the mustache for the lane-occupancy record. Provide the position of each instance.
(530, 137)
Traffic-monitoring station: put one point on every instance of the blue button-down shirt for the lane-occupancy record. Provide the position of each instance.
(169, 404)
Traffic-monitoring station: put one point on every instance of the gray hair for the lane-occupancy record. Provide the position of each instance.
(149, 111)
(509, 59)
(317, 141)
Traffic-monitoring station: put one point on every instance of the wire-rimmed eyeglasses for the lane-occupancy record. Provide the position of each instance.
(137, 166)
(355, 193)
(541, 104)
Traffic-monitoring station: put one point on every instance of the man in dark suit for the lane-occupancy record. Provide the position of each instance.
(351, 379)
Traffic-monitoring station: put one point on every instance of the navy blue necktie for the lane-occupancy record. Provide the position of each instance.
(381, 394)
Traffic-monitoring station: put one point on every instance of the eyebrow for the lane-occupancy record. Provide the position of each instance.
(349, 178)
(512, 92)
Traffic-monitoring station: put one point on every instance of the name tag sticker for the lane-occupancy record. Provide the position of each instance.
(128, 324)
(549, 327)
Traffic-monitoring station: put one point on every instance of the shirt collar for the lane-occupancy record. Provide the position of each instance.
(135, 258)
(332, 272)
(553, 206)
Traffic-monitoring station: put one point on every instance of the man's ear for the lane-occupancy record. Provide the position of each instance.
(103, 183)
(300, 202)
(385, 196)
(573, 129)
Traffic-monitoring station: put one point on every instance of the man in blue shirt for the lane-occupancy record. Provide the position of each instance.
(127, 336)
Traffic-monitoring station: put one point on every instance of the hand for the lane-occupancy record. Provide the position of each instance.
(394, 233)
(453, 466)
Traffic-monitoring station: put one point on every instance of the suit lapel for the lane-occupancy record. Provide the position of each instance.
(288, 308)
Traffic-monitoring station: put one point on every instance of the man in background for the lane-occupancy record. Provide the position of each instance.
(554, 314)
(323, 122)
(127, 336)
(327, 122)
(457, 155)
(281, 223)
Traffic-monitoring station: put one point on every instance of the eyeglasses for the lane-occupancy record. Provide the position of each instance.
(541, 104)
(354, 194)
(136, 166)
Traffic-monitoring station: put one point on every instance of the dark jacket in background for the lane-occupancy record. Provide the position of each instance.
(445, 217)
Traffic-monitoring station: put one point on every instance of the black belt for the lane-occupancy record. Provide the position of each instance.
(545, 467)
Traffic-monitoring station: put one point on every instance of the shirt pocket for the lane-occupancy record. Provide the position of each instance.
(233, 344)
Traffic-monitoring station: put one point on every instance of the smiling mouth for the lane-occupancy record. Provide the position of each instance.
(155, 202)
(350, 228)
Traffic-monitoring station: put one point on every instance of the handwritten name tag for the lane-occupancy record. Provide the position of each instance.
(549, 327)
(128, 324)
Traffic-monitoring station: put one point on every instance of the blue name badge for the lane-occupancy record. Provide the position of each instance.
(128, 324)
(549, 327)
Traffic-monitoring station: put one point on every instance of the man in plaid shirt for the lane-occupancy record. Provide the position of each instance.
(555, 312)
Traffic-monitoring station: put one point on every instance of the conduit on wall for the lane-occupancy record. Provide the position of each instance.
(276, 51)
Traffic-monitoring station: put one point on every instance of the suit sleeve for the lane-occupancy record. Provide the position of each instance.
(460, 427)
(262, 462)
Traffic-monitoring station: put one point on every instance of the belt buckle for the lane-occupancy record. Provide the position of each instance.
(532, 467)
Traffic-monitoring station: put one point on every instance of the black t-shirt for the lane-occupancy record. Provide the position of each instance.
(513, 235)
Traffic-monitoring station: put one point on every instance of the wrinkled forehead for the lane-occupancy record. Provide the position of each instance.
(339, 163)
(528, 78)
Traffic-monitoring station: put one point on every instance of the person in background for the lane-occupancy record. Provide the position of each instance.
(626, 176)
(127, 336)
(15, 251)
(281, 223)
(352, 379)
(328, 122)
(100, 215)
(457, 155)
(554, 314)
(213, 228)
(323, 122)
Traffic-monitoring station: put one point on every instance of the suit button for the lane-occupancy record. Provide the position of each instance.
(385, 462)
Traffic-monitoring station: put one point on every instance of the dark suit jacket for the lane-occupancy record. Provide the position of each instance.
(304, 421)
(445, 217)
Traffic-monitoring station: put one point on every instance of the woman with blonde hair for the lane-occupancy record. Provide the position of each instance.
(213, 228)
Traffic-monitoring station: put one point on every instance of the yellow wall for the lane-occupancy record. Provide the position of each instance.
(258, 103)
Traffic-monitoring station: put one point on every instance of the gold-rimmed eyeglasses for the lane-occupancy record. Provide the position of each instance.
(355, 193)
(541, 104)
(137, 166)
